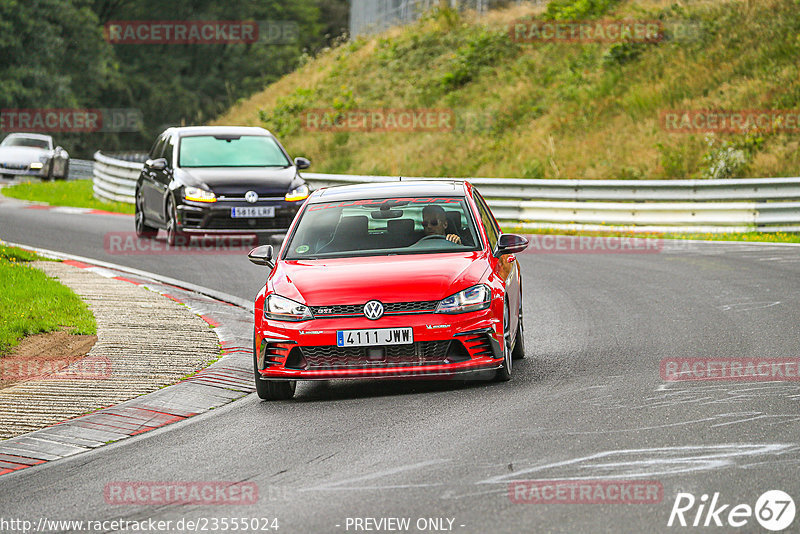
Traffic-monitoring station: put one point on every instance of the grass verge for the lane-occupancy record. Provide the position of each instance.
(73, 193)
(32, 303)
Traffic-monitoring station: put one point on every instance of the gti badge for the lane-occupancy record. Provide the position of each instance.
(251, 197)
(373, 310)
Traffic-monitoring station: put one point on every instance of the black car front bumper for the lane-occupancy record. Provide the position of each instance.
(217, 218)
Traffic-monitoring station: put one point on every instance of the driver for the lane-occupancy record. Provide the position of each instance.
(434, 222)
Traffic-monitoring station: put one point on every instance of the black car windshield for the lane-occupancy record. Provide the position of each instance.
(26, 141)
(231, 151)
(383, 227)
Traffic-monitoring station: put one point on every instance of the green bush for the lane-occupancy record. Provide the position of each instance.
(484, 48)
(285, 117)
(622, 53)
(578, 9)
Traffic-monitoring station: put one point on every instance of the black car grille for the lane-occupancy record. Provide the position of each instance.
(390, 308)
(419, 353)
(229, 223)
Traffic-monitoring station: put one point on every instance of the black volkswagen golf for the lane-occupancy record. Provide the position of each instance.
(205, 180)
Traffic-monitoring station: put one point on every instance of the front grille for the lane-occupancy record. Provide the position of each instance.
(478, 345)
(256, 223)
(275, 353)
(192, 219)
(419, 353)
(390, 308)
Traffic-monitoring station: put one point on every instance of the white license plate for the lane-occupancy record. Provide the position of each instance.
(377, 336)
(254, 211)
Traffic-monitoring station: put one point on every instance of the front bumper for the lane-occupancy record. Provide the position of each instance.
(17, 170)
(216, 218)
(444, 346)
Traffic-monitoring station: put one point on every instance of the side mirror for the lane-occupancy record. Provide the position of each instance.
(159, 164)
(302, 163)
(510, 244)
(262, 256)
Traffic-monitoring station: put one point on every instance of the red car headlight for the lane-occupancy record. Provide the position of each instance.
(283, 309)
(471, 299)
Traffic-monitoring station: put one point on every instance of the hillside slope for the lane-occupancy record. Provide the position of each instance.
(555, 109)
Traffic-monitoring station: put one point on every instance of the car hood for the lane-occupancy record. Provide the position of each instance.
(234, 181)
(20, 154)
(400, 278)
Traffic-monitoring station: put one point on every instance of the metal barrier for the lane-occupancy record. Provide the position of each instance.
(80, 169)
(738, 205)
(115, 178)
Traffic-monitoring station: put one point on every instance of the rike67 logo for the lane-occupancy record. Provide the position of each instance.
(774, 510)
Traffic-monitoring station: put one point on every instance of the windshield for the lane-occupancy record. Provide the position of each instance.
(383, 227)
(26, 141)
(231, 151)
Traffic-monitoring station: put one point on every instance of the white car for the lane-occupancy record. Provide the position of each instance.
(24, 154)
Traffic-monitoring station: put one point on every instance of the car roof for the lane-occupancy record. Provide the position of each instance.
(41, 137)
(428, 188)
(218, 130)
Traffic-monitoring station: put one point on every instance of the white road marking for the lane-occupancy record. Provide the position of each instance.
(380, 474)
(662, 461)
(747, 306)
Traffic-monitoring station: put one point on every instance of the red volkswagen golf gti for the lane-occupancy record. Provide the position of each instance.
(388, 280)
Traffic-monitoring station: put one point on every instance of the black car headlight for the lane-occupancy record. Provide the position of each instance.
(283, 309)
(471, 299)
(298, 193)
(198, 195)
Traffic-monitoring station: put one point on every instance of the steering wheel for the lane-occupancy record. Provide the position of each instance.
(432, 236)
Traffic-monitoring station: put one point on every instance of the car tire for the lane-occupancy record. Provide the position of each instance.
(519, 343)
(504, 373)
(173, 236)
(271, 389)
(141, 227)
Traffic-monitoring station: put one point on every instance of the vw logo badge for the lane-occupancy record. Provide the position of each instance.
(251, 197)
(373, 310)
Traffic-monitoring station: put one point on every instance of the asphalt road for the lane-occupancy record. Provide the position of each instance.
(587, 403)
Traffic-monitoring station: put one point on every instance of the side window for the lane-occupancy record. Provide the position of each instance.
(158, 148)
(169, 149)
(492, 231)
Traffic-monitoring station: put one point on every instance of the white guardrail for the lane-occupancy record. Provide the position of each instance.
(737, 205)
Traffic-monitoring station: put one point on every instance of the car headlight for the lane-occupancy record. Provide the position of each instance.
(298, 193)
(36, 165)
(198, 195)
(283, 309)
(471, 299)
